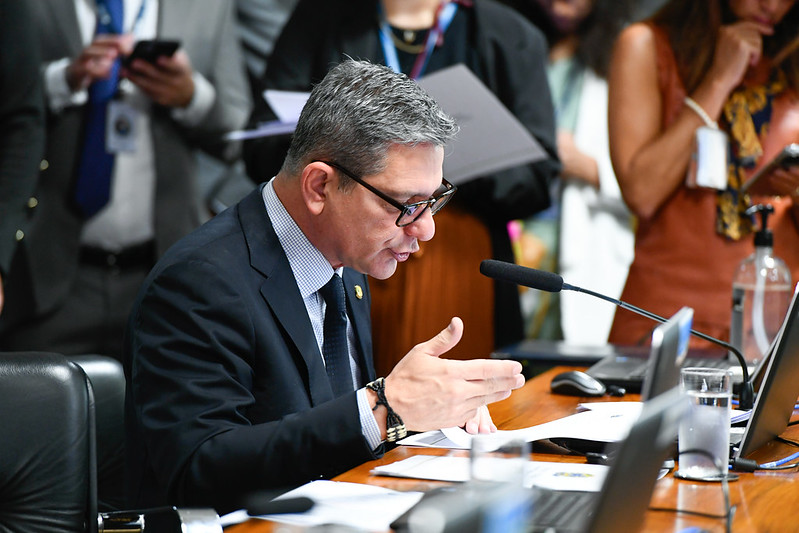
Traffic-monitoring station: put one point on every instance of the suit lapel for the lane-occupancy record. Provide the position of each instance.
(280, 291)
(64, 20)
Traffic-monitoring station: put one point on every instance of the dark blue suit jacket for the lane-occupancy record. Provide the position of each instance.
(227, 390)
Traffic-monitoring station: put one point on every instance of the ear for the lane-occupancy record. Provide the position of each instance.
(316, 182)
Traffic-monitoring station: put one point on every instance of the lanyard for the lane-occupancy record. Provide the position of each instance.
(444, 15)
(102, 14)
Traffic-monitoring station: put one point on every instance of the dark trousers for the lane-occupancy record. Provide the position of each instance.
(92, 319)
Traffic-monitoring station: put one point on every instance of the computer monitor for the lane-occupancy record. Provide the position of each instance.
(779, 389)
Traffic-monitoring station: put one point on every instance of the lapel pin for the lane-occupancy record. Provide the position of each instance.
(358, 292)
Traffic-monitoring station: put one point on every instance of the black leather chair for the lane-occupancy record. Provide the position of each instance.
(48, 455)
(107, 378)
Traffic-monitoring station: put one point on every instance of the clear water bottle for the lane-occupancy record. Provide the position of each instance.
(761, 293)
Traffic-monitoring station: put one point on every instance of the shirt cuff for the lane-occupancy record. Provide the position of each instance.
(201, 103)
(59, 95)
(369, 427)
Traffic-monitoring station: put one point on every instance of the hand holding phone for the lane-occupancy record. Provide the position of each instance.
(151, 50)
(787, 158)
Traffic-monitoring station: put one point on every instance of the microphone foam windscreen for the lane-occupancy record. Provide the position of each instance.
(527, 277)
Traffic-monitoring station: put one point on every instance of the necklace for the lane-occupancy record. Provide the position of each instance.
(404, 44)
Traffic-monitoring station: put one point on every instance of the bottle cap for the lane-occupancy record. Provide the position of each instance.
(764, 236)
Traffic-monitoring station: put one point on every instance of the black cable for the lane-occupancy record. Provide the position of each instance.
(687, 512)
(725, 490)
(787, 441)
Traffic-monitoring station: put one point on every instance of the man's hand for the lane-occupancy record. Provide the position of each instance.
(481, 422)
(167, 82)
(432, 393)
(95, 61)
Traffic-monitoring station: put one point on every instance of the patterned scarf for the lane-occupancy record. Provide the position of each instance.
(745, 117)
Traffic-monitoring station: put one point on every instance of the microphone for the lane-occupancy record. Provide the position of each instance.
(551, 282)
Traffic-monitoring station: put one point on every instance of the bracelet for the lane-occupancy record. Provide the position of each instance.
(395, 427)
(696, 108)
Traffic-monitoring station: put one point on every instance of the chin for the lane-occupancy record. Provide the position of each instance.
(384, 271)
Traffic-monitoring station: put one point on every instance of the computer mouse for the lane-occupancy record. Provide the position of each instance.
(576, 383)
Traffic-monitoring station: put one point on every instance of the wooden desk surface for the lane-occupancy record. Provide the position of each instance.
(765, 501)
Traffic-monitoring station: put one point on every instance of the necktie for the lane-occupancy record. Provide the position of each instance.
(93, 186)
(334, 345)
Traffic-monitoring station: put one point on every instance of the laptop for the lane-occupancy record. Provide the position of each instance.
(628, 370)
(779, 388)
(668, 351)
(618, 507)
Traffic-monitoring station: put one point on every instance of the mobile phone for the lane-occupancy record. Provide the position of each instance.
(151, 50)
(788, 157)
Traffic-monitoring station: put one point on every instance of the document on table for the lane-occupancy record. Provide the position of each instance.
(542, 474)
(608, 422)
(356, 505)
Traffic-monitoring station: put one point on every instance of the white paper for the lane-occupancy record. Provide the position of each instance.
(287, 105)
(267, 129)
(599, 425)
(356, 505)
(599, 422)
(543, 474)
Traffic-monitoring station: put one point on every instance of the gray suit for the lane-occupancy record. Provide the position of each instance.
(47, 263)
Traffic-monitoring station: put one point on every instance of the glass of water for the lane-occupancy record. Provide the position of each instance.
(704, 433)
(497, 458)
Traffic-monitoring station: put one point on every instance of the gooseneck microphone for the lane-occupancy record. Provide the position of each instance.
(551, 282)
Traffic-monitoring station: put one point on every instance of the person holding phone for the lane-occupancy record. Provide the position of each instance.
(117, 184)
(670, 75)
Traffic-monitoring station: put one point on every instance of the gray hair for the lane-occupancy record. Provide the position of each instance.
(357, 112)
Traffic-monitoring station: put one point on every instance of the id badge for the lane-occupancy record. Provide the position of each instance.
(120, 129)
(708, 166)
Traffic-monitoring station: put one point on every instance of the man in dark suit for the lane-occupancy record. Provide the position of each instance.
(21, 126)
(76, 273)
(230, 388)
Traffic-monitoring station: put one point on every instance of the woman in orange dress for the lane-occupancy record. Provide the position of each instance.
(670, 75)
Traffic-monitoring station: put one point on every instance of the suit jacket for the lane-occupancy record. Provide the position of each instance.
(21, 122)
(48, 258)
(227, 391)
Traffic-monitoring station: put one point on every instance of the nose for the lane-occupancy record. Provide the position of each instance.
(423, 228)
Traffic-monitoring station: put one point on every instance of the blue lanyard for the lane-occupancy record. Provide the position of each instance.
(105, 17)
(444, 16)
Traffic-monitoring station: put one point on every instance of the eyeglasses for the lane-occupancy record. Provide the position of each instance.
(409, 213)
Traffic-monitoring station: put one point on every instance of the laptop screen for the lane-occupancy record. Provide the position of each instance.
(669, 348)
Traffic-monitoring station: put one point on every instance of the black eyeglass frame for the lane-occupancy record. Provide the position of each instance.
(404, 209)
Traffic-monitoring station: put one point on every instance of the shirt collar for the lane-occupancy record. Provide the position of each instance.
(310, 268)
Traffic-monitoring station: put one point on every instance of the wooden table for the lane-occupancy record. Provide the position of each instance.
(764, 501)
